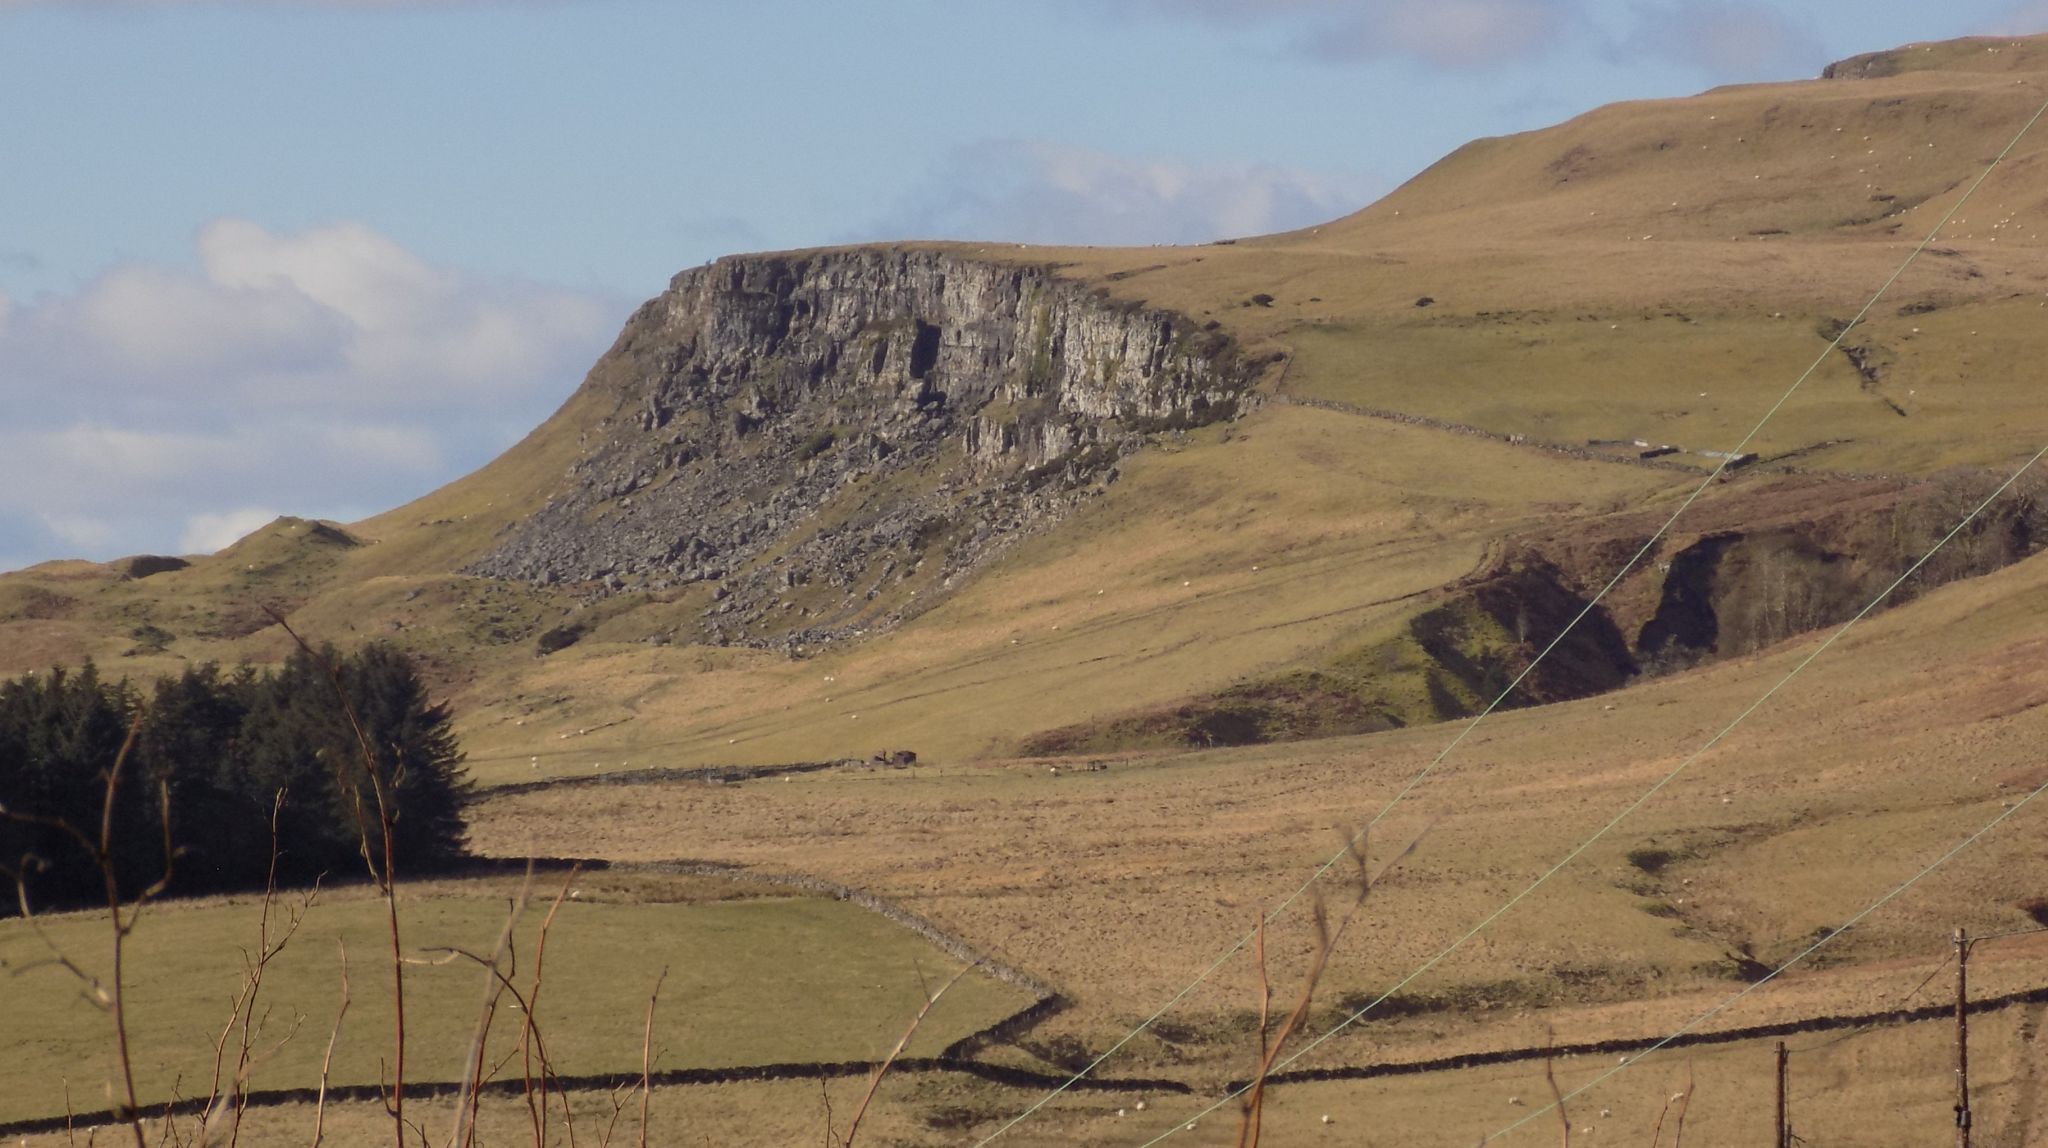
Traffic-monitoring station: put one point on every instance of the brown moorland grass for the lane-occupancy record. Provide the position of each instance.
(1887, 1087)
(1128, 881)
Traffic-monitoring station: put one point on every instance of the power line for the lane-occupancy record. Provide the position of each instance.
(1654, 789)
(1873, 1026)
(1732, 998)
(1633, 561)
(1976, 937)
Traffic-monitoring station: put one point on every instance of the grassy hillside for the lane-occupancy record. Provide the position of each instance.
(1463, 373)
(1657, 271)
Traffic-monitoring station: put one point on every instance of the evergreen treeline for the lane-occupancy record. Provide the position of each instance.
(222, 744)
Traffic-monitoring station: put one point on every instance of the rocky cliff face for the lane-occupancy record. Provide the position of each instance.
(821, 436)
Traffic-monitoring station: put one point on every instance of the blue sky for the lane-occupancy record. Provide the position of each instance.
(320, 256)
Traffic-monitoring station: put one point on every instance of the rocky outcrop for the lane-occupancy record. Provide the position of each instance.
(821, 435)
(1868, 66)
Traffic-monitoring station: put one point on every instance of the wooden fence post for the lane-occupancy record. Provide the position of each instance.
(1962, 941)
(1783, 1139)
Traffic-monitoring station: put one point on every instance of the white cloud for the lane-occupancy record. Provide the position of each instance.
(330, 372)
(336, 316)
(95, 472)
(99, 491)
(1456, 34)
(1728, 40)
(1036, 192)
(206, 533)
(154, 323)
(346, 267)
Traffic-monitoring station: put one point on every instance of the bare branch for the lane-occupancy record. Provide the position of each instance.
(1564, 1120)
(1657, 1130)
(1678, 1137)
(538, 1112)
(1327, 938)
(505, 983)
(118, 1003)
(468, 1095)
(882, 1069)
(647, 1054)
(618, 1106)
(91, 989)
(385, 878)
(234, 1102)
(825, 1099)
(1265, 986)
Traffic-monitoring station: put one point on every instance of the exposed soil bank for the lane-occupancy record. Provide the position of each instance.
(1753, 565)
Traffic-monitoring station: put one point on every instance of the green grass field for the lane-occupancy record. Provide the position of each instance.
(749, 982)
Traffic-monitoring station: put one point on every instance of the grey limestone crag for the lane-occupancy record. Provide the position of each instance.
(811, 433)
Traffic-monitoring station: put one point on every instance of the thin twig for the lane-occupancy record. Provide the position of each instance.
(168, 1136)
(647, 1054)
(1564, 1120)
(468, 1095)
(825, 1099)
(234, 1101)
(1355, 847)
(539, 1112)
(212, 1109)
(1657, 1130)
(1678, 1135)
(902, 1042)
(1265, 985)
(386, 879)
(255, 974)
(618, 1107)
(105, 856)
(94, 992)
(1255, 1099)
(333, 1038)
(505, 984)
